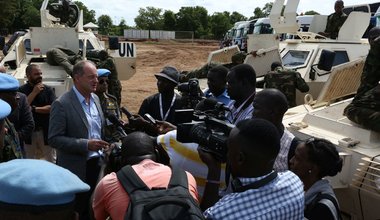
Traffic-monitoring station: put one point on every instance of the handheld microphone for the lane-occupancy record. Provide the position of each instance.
(126, 112)
(213, 104)
(114, 120)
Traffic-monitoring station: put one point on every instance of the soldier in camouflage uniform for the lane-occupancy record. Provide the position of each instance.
(365, 107)
(109, 105)
(11, 148)
(60, 56)
(237, 58)
(287, 81)
(5, 110)
(335, 21)
(114, 85)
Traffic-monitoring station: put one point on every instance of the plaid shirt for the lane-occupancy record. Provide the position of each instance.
(283, 198)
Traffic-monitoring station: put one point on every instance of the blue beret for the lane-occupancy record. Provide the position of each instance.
(8, 83)
(103, 72)
(38, 183)
(5, 109)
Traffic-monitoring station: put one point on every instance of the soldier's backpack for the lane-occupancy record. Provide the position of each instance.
(174, 202)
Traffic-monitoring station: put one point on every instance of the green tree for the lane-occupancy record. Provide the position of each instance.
(311, 13)
(262, 12)
(236, 16)
(219, 24)
(149, 19)
(31, 17)
(170, 21)
(193, 19)
(8, 9)
(105, 24)
(122, 26)
(88, 15)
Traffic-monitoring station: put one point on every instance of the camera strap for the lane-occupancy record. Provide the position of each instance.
(242, 107)
(161, 107)
(237, 185)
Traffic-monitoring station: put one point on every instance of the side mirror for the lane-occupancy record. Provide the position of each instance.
(325, 63)
(326, 60)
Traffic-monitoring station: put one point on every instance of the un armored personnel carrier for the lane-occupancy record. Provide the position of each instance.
(358, 185)
(63, 28)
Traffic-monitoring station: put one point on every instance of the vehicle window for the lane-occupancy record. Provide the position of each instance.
(239, 32)
(294, 58)
(340, 57)
(27, 45)
(257, 29)
(263, 29)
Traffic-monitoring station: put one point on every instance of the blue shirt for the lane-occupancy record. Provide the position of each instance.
(282, 198)
(93, 118)
(223, 98)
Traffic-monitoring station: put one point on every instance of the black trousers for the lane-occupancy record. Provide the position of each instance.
(83, 200)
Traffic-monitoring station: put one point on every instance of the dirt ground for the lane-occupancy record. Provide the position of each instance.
(152, 57)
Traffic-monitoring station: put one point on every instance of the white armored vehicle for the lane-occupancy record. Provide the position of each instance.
(66, 32)
(358, 185)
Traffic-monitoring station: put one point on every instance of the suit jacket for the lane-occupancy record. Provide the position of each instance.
(68, 132)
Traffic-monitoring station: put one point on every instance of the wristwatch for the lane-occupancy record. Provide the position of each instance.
(33, 108)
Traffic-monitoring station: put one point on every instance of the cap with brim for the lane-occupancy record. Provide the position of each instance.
(8, 83)
(103, 72)
(169, 73)
(5, 109)
(38, 183)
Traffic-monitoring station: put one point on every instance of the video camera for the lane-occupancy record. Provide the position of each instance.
(191, 93)
(208, 129)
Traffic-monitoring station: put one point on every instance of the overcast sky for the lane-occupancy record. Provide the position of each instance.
(128, 9)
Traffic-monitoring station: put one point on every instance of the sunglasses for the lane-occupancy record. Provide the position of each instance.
(102, 81)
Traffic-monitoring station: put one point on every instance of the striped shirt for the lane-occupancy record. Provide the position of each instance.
(244, 111)
(282, 198)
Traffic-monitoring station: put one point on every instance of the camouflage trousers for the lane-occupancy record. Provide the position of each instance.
(365, 110)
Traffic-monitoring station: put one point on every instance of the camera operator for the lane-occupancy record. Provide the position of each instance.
(217, 84)
(241, 88)
(252, 148)
(139, 151)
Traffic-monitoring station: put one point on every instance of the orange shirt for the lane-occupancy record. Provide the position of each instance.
(110, 198)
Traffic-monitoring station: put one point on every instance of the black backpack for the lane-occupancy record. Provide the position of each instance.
(174, 202)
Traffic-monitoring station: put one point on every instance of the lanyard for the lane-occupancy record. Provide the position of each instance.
(161, 109)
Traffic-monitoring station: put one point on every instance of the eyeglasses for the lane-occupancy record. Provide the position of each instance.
(102, 81)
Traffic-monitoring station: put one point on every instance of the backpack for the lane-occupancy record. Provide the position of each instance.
(319, 199)
(174, 202)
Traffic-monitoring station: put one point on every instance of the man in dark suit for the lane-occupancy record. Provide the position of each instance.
(75, 130)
